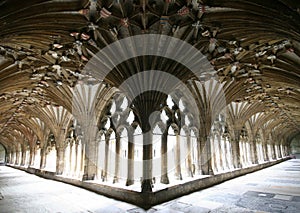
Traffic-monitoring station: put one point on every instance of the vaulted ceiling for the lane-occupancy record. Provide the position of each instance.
(253, 45)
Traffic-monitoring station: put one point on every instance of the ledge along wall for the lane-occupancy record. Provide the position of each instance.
(149, 199)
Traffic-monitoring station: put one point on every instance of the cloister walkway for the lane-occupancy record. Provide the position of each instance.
(274, 189)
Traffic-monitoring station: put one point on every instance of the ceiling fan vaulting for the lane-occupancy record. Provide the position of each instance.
(252, 48)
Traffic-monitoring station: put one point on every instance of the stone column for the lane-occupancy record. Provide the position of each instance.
(243, 154)
(117, 159)
(164, 158)
(213, 155)
(189, 157)
(147, 162)
(76, 158)
(104, 176)
(31, 157)
(273, 151)
(265, 150)
(82, 158)
(285, 150)
(236, 155)
(60, 159)
(199, 154)
(70, 158)
(178, 174)
(23, 158)
(8, 156)
(206, 166)
(12, 159)
(254, 152)
(90, 159)
(282, 150)
(279, 151)
(226, 156)
(220, 152)
(17, 161)
(43, 157)
(130, 170)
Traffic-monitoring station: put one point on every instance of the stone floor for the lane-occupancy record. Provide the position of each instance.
(275, 189)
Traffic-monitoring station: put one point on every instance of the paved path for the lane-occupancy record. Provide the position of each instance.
(275, 189)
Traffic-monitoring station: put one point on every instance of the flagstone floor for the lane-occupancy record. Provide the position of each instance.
(275, 189)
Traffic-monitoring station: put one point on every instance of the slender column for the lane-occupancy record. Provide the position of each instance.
(248, 151)
(265, 150)
(164, 158)
(60, 155)
(104, 178)
(177, 158)
(147, 162)
(15, 157)
(236, 155)
(206, 166)
(31, 157)
(82, 158)
(189, 157)
(273, 151)
(76, 158)
(70, 157)
(282, 151)
(17, 161)
(43, 157)
(254, 152)
(286, 151)
(220, 152)
(23, 158)
(117, 159)
(130, 170)
(214, 157)
(279, 151)
(8, 156)
(243, 151)
(226, 152)
(199, 161)
(90, 159)
(12, 158)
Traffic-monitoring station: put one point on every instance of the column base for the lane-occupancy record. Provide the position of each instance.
(147, 185)
(129, 182)
(179, 176)
(116, 179)
(88, 177)
(164, 179)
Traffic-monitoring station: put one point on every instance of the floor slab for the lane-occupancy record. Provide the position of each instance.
(273, 189)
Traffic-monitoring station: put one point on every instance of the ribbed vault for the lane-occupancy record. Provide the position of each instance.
(253, 47)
